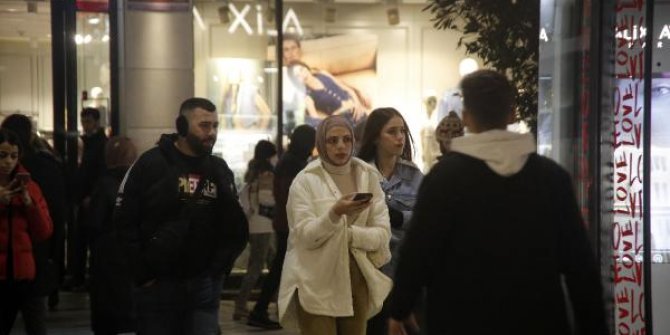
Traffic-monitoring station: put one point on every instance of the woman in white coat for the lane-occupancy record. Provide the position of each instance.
(331, 283)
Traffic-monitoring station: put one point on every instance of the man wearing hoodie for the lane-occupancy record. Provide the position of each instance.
(495, 231)
(181, 226)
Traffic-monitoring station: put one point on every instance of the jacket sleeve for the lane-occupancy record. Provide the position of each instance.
(422, 242)
(377, 233)
(309, 229)
(282, 183)
(39, 221)
(235, 228)
(415, 183)
(127, 219)
(578, 263)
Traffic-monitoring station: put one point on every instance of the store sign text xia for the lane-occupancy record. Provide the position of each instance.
(240, 20)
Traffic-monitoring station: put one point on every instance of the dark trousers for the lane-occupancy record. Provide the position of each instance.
(18, 296)
(378, 324)
(179, 306)
(271, 283)
(78, 245)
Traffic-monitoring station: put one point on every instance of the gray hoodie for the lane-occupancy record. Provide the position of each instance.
(503, 151)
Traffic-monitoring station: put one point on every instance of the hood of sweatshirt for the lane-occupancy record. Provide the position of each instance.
(503, 151)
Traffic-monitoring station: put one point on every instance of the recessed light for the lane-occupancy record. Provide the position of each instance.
(94, 20)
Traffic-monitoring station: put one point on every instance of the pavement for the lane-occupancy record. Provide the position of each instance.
(72, 317)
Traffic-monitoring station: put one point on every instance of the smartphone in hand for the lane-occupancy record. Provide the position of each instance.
(362, 197)
(23, 177)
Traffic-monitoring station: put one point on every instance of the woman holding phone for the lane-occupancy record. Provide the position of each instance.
(24, 220)
(387, 144)
(331, 283)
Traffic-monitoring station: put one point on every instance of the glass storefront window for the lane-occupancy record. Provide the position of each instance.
(93, 67)
(25, 62)
(338, 58)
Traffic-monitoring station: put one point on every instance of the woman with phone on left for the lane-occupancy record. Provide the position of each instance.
(24, 220)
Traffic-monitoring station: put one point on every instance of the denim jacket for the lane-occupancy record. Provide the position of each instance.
(400, 192)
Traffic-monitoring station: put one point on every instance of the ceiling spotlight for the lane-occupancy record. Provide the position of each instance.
(32, 6)
(224, 13)
(93, 20)
(467, 66)
(393, 16)
(330, 14)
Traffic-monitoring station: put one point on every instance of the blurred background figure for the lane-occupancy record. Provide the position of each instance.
(449, 128)
(46, 170)
(259, 206)
(92, 166)
(25, 221)
(112, 308)
(293, 161)
(388, 145)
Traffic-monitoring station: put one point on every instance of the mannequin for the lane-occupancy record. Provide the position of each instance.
(430, 149)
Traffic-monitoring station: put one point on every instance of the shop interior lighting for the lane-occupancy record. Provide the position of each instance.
(270, 13)
(467, 66)
(224, 13)
(105, 38)
(330, 14)
(392, 12)
(31, 6)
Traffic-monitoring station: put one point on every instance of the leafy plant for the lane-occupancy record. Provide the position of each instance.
(504, 34)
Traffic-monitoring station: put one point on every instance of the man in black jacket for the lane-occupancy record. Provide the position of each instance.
(495, 231)
(181, 225)
(90, 169)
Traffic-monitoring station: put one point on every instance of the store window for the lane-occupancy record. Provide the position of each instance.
(93, 67)
(337, 58)
(25, 62)
(660, 167)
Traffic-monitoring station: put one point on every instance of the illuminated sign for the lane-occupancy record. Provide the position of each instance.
(240, 20)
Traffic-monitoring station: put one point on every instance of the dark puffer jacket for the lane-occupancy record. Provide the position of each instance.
(166, 231)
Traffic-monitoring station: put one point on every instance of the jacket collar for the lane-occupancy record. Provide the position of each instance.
(356, 163)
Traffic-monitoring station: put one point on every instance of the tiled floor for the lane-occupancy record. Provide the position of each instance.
(72, 318)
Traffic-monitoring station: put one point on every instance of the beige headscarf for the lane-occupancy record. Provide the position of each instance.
(322, 130)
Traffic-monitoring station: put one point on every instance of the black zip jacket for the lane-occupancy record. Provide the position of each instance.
(169, 225)
(492, 252)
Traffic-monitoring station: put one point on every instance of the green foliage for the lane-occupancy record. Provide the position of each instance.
(504, 34)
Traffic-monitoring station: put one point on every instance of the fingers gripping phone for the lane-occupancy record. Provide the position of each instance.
(23, 177)
(362, 197)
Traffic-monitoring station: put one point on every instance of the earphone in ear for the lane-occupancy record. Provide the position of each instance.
(182, 125)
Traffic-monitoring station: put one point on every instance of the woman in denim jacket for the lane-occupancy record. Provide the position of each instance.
(387, 144)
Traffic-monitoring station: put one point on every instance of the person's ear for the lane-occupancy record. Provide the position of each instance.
(466, 119)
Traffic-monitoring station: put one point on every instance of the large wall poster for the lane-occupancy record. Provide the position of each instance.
(358, 63)
(328, 75)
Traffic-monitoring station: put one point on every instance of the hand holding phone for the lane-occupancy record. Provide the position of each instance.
(362, 197)
(22, 177)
